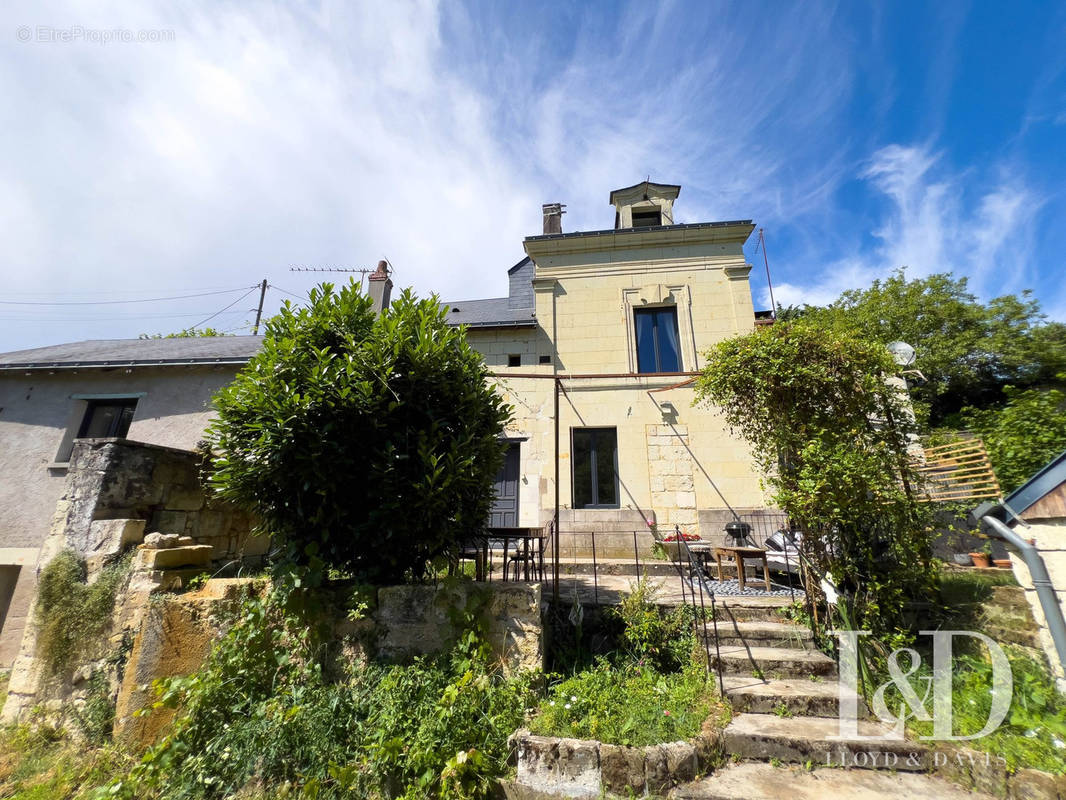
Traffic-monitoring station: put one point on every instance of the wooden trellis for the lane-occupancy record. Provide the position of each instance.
(959, 470)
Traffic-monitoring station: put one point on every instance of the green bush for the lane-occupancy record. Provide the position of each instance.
(368, 442)
(652, 636)
(830, 433)
(71, 615)
(628, 704)
(1023, 435)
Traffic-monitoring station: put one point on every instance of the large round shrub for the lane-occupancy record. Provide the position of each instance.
(366, 442)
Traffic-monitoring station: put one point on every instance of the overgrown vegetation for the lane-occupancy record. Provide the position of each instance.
(270, 711)
(363, 442)
(71, 615)
(40, 763)
(653, 688)
(625, 703)
(829, 432)
(1024, 434)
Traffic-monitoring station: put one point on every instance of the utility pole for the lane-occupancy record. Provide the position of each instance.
(259, 311)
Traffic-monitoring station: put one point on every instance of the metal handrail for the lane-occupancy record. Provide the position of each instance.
(695, 567)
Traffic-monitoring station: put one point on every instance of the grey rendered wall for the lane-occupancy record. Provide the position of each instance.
(36, 410)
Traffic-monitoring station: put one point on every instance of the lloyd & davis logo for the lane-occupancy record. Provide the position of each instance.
(935, 702)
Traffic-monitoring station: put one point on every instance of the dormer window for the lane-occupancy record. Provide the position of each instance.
(646, 218)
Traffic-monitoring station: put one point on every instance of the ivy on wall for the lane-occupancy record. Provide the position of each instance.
(829, 431)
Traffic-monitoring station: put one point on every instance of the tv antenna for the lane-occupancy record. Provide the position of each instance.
(762, 244)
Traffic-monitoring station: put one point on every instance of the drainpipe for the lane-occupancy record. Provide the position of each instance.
(1045, 590)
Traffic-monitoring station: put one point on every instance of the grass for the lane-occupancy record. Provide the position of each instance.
(43, 764)
(630, 705)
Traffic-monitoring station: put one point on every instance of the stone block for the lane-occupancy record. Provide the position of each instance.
(568, 767)
(681, 761)
(171, 558)
(1032, 784)
(112, 536)
(171, 521)
(161, 541)
(656, 772)
(255, 545)
(184, 498)
(622, 768)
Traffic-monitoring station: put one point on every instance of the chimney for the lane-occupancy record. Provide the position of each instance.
(380, 287)
(553, 217)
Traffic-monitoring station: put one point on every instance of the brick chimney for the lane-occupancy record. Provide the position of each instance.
(553, 217)
(379, 287)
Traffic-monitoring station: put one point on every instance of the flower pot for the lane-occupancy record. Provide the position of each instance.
(982, 560)
(1002, 563)
(962, 559)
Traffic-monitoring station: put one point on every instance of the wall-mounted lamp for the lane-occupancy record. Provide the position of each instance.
(669, 411)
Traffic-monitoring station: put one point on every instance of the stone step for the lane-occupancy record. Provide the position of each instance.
(816, 740)
(752, 609)
(765, 633)
(772, 662)
(653, 568)
(765, 782)
(796, 696)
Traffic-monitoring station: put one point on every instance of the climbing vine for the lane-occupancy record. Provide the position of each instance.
(829, 430)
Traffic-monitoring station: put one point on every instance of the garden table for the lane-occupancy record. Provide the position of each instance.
(739, 554)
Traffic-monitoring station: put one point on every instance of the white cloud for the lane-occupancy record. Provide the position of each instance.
(934, 221)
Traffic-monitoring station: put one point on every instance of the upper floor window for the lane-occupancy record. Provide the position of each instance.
(647, 218)
(105, 419)
(595, 474)
(658, 348)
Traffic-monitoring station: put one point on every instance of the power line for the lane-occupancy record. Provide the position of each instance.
(117, 302)
(291, 294)
(225, 308)
(115, 318)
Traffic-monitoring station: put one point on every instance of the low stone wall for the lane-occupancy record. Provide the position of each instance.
(563, 767)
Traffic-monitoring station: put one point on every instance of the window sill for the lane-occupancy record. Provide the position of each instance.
(58, 466)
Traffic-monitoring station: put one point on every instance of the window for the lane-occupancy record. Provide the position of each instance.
(657, 340)
(545, 359)
(107, 418)
(514, 360)
(646, 219)
(594, 456)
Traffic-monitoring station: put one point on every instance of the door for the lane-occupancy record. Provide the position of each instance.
(505, 507)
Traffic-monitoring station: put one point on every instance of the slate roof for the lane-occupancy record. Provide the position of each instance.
(495, 312)
(1046, 480)
(135, 352)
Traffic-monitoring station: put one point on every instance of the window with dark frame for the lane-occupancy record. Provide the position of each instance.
(514, 360)
(545, 359)
(595, 467)
(105, 419)
(658, 343)
(647, 219)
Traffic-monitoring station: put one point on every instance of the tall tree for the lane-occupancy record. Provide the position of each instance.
(966, 350)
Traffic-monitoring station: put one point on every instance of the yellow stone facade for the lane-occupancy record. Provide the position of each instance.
(675, 462)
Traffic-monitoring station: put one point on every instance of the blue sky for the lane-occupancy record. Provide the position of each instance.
(257, 137)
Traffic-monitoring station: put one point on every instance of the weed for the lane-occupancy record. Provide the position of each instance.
(782, 710)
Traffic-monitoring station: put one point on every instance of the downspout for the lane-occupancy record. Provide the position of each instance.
(1045, 590)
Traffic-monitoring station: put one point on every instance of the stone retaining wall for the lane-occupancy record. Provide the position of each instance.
(563, 767)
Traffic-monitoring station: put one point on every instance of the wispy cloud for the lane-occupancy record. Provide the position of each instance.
(934, 221)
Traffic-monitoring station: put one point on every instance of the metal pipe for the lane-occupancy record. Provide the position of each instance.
(555, 539)
(1045, 590)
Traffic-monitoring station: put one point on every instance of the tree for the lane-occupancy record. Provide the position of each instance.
(189, 333)
(363, 442)
(829, 430)
(1024, 435)
(967, 351)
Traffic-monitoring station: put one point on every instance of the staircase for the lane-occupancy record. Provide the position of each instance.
(787, 697)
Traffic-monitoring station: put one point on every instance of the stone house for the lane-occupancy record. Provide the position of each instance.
(154, 391)
(601, 332)
(616, 322)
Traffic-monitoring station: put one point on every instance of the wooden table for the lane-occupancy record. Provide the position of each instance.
(739, 554)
